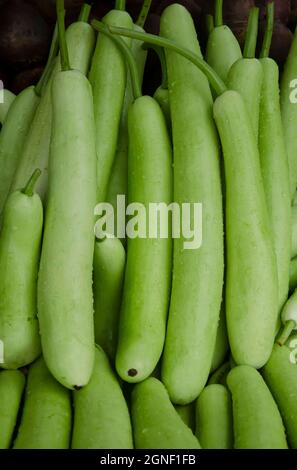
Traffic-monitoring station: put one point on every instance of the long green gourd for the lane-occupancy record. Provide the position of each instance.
(274, 163)
(246, 75)
(65, 298)
(147, 276)
(280, 374)
(19, 117)
(46, 417)
(148, 270)
(108, 77)
(108, 277)
(251, 309)
(223, 49)
(12, 384)
(257, 420)
(118, 182)
(156, 424)
(101, 416)
(20, 242)
(289, 111)
(81, 41)
(194, 310)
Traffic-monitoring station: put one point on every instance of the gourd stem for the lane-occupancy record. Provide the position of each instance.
(209, 24)
(289, 326)
(135, 80)
(85, 13)
(215, 81)
(268, 32)
(29, 188)
(65, 64)
(143, 13)
(120, 5)
(251, 34)
(218, 13)
(54, 49)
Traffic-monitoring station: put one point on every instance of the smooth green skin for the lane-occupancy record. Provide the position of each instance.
(256, 418)
(47, 413)
(294, 231)
(156, 424)
(222, 51)
(12, 384)
(149, 261)
(214, 420)
(118, 182)
(65, 298)
(222, 343)
(20, 242)
(246, 77)
(12, 138)
(289, 112)
(187, 414)
(275, 173)
(8, 99)
(108, 277)
(219, 376)
(194, 310)
(80, 39)
(293, 274)
(161, 95)
(101, 416)
(108, 77)
(251, 307)
(280, 374)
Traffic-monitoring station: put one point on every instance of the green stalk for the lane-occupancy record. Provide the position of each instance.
(287, 330)
(29, 188)
(143, 13)
(65, 64)
(209, 23)
(85, 13)
(252, 34)
(120, 5)
(54, 49)
(218, 21)
(269, 31)
(135, 79)
(216, 83)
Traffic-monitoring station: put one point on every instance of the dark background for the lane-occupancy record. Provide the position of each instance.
(26, 27)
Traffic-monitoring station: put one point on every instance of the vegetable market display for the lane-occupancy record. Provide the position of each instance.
(129, 341)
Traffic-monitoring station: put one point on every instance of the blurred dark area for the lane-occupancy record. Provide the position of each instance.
(26, 28)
